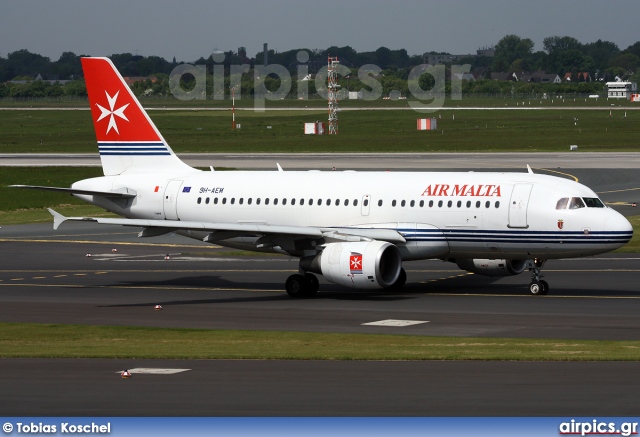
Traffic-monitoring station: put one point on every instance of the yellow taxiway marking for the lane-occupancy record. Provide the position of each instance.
(618, 191)
(102, 272)
(559, 172)
(146, 287)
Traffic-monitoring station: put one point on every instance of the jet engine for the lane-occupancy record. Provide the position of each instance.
(493, 267)
(363, 265)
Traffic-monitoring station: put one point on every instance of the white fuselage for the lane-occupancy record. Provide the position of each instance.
(441, 215)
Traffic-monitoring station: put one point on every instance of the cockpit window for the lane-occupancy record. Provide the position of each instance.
(562, 203)
(576, 203)
(593, 202)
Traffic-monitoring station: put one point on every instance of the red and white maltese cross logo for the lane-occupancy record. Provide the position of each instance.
(111, 112)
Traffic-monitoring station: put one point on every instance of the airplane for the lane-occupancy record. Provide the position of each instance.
(353, 228)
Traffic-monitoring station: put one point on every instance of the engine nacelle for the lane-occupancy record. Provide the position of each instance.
(493, 267)
(363, 265)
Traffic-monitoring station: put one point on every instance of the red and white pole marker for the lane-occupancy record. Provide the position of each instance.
(114, 250)
(125, 374)
(233, 108)
(88, 255)
(157, 307)
(166, 256)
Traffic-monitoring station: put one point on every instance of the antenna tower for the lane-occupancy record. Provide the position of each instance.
(332, 90)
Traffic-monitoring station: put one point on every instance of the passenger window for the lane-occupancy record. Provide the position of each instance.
(199, 200)
(478, 204)
(249, 200)
(497, 204)
(233, 200)
(302, 201)
(293, 201)
(459, 203)
(337, 202)
(403, 203)
(576, 203)
(380, 202)
(440, 204)
(215, 200)
(266, 201)
(366, 202)
(355, 202)
(258, 201)
(431, 204)
(224, 200)
(449, 203)
(421, 203)
(487, 204)
(284, 201)
(412, 204)
(393, 202)
(346, 202)
(319, 202)
(328, 202)
(468, 204)
(593, 202)
(206, 200)
(275, 201)
(241, 201)
(562, 203)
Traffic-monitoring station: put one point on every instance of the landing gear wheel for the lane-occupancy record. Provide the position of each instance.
(538, 288)
(402, 279)
(545, 287)
(296, 285)
(313, 284)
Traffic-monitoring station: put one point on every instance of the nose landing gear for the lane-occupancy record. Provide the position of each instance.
(538, 287)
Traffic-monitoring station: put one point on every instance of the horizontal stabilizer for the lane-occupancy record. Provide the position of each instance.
(76, 191)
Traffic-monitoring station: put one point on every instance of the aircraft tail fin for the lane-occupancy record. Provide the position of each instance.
(128, 140)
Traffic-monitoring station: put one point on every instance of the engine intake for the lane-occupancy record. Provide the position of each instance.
(493, 267)
(366, 265)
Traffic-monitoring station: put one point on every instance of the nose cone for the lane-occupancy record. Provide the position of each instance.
(618, 227)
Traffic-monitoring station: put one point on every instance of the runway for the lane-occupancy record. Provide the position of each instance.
(46, 277)
(362, 161)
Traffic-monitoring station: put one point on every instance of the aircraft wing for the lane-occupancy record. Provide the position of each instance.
(220, 231)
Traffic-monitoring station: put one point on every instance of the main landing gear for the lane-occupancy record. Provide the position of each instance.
(538, 287)
(299, 285)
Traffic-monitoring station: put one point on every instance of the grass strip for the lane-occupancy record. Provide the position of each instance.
(361, 131)
(28, 340)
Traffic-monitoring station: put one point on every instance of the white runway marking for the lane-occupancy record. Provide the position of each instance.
(398, 323)
(154, 371)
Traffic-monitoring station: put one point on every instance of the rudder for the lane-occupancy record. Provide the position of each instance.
(128, 141)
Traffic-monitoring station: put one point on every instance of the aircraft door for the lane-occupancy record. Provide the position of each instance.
(518, 205)
(171, 200)
(366, 204)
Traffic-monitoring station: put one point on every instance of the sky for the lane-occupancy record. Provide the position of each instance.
(190, 29)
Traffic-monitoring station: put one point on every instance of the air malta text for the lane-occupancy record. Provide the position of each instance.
(462, 190)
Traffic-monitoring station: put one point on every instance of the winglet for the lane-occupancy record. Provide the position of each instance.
(58, 218)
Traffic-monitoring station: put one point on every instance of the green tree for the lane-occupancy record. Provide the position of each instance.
(509, 49)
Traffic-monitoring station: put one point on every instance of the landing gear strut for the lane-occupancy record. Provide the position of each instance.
(299, 285)
(538, 287)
